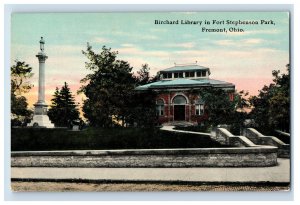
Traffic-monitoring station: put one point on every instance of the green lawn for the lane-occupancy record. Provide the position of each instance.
(25, 139)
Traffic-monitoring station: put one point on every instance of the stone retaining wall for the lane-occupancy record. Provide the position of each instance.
(203, 157)
(260, 139)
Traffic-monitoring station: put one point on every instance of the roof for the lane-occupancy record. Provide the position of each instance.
(186, 83)
(184, 68)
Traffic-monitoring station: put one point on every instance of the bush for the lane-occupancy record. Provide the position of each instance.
(25, 139)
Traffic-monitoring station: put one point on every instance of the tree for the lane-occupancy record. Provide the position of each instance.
(220, 109)
(218, 106)
(271, 108)
(143, 111)
(143, 75)
(242, 106)
(20, 74)
(109, 88)
(279, 111)
(63, 109)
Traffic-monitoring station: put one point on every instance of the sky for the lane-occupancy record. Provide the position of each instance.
(243, 58)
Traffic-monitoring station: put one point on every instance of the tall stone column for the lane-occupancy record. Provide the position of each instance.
(41, 95)
(40, 117)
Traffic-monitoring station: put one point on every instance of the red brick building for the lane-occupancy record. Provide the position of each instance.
(176, 100)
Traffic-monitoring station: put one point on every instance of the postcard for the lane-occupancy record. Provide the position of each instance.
(150, 101)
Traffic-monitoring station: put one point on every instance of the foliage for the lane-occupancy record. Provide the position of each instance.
(109, 89)
(221, 110)
(218, 106)
(143, 75)
(104, 138)
(20, 74)
(144, 109)
(271, 108)
(242, 106)
(63, 109)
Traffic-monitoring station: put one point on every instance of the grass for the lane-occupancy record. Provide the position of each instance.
(37, 139)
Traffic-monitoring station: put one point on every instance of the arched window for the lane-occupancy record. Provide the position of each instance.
(199, 107)
(179, 100)
(160, 107)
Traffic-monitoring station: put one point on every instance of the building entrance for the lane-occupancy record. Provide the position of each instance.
(179, 112)
(179, 103)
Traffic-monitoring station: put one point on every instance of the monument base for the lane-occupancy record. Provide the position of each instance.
(41, 121)
(40, 117)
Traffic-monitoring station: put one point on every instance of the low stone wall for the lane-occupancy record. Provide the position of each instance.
(224, 137)
(260, 139)
(197, 157)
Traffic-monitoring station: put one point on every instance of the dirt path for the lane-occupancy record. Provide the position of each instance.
(106, 187)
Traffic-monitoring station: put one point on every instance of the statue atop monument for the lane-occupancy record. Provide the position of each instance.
(42, 43)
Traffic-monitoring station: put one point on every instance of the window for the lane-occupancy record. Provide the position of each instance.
(201, 73)
(160, 107)
(179, 100)
(189, 74)
(199, 107)
(178, 75)
(167, 75)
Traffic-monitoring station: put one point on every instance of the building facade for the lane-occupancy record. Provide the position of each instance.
(177, 97)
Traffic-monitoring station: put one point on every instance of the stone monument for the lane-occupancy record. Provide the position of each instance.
(40, 117)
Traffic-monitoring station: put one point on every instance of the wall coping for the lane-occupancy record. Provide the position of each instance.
(256, 132)
(226, 132)
(180, 151)
(261, 136)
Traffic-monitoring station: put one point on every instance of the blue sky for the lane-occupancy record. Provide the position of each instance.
(246, 59)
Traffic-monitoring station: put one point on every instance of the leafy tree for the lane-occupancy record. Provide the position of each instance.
(218, 106)
(221, 109)
(109, 88)
(260, 106)
(242, 106)
(20, 75)
(63, 109)
(271, 108)
(279, 111)
(143, 75)
(143, 112)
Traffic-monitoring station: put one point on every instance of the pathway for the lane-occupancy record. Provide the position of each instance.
(171, 128)
(280, 173)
